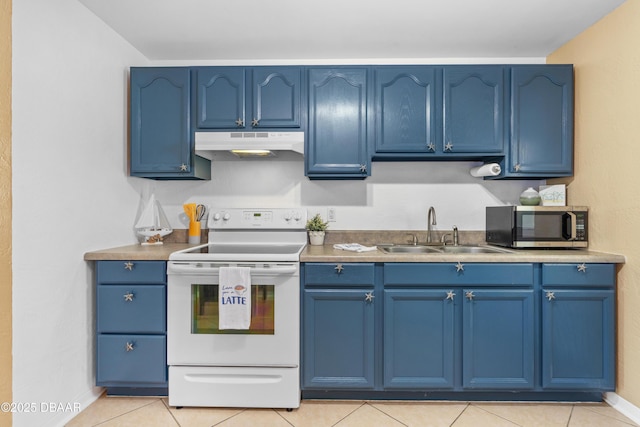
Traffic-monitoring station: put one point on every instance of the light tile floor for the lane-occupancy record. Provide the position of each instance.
(155, 412)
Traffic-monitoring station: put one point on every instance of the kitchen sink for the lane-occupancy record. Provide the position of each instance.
(410, 249)
(422, 249)
(473, 250)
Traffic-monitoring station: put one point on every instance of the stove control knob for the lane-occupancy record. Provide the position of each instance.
(287, 216)
(297, 216)
(226, 216)
(216, 216)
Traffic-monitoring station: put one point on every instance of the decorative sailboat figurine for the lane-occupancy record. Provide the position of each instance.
(152, 223)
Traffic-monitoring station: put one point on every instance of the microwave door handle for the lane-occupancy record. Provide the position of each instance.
(571, 219)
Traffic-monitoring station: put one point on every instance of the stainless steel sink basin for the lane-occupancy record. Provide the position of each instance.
(474, 250)
(422, 249)
(410, 249)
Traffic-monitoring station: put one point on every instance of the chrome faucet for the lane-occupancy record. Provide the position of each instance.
(431, 220)
(455, 235)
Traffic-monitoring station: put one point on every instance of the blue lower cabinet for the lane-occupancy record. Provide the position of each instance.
(498, 339)
(131, 360)
(458, 330)
(131, 325)
(578, 340)
(338, 339)
(418, 339)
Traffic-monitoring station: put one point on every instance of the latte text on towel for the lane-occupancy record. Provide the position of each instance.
(234, 305)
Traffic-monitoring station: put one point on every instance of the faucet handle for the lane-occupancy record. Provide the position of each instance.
(443, 239)
(414, 239)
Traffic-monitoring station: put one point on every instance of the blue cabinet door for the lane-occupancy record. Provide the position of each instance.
(405, 108)
(419, 339)
(541, 141)
(578, 339)
(473, 109)
(338, 339)
(276, 95)
(498, 339)
(338, 123)
(161, 145)
(220, 98)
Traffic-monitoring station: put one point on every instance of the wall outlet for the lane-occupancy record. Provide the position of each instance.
(331, 214)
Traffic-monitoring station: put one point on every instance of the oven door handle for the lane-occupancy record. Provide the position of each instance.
(262, 271)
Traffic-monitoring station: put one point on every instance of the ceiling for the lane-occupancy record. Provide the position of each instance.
(289, 30)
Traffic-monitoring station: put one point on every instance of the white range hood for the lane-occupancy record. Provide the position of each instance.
(250, 144)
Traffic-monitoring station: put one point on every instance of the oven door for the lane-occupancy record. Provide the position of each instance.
(193, 337)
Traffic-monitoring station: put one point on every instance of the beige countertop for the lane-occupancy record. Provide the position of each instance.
(137, 252)
(326, 253)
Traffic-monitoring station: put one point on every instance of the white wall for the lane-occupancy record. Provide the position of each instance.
(396, 196)
(70, 194)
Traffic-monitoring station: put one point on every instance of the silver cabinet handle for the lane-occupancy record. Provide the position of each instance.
(129, 296)
(517, 167)
(469, 295)
(459, 266)
(582, 267)
(338, 268)
(368, 297)
(550, 295)
(431, 147)
(239, 122)
(128, 265)
(363, 168)
(448, 146)
(450, 295)
(183, 167)
(255, 123)
(129, 346)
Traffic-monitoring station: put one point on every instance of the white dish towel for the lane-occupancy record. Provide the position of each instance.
(235, 298)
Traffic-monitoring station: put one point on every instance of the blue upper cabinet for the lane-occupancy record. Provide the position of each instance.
(276, 94)
(541, 142)
(161, 142)
(248, 98)
(405, 105)
(473, 110)
(338, 123)
(220, 98)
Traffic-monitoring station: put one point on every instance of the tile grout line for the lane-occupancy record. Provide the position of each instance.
(124, 413)
(280, 415)
(390, 416)
(166, 406)
(460, 414)
(570, 415)
(349, 414)
(613, 418)
(496, 415)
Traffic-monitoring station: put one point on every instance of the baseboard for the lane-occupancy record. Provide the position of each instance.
(623, 406)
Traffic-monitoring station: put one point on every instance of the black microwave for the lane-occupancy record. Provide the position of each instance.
(538, 226)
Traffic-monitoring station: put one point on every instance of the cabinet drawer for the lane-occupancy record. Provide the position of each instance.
(137, 309)
(453, 274)
(128, 359)
(579, 274)
(339, 274)
(131, 271)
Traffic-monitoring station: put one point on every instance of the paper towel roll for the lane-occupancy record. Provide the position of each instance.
(490, 169)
